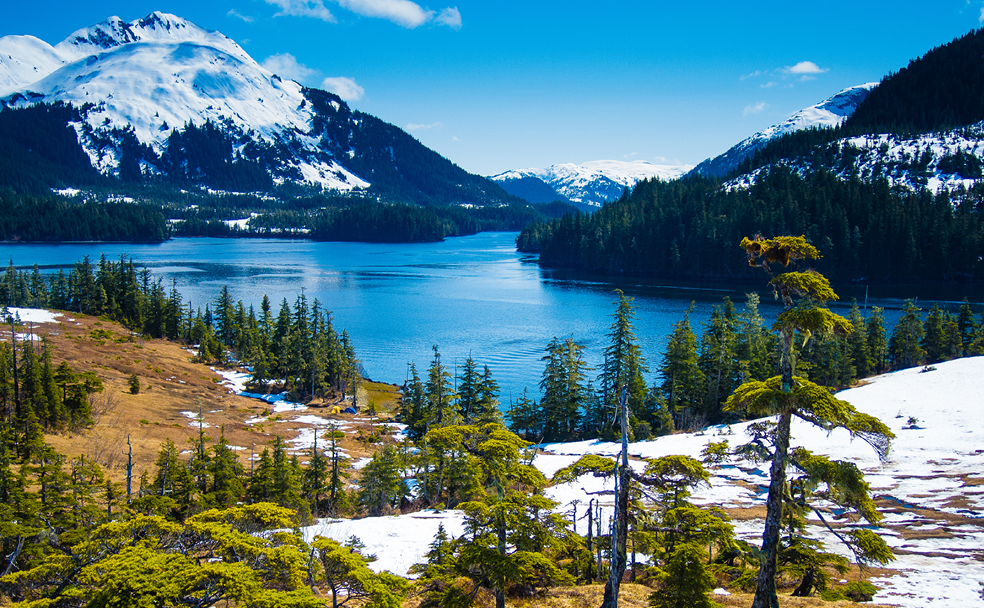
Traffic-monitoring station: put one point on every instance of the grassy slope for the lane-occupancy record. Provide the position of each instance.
(170, 384)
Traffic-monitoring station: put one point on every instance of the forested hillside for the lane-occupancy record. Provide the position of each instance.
(689, 227)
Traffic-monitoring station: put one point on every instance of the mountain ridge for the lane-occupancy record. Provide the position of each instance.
(590, 184)
(143, 86)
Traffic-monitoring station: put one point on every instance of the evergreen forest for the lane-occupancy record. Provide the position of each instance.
(686, 229)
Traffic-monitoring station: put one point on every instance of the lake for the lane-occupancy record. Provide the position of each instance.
(469, 296)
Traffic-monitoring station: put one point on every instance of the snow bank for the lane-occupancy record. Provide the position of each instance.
(398, 541)
(34, 315)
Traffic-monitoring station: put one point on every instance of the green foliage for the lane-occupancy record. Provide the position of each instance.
(134, 384)
(684, 581)
(599, 466)
(905, 347)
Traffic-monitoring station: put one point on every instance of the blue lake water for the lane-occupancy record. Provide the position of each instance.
(472, 295)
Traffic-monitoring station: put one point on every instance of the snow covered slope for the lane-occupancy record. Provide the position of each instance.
(160, 73)
(593, 182)
(828, 113)
(929, 490)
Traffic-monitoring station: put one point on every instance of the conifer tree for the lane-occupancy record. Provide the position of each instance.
(684, 385)
(876, 340)
(858, 343)
(439, 391)
(787, 395)
(488, 399)
(624, 364)
(718, 359)
(564, 391)
(381, 486)
(226, 474)
(905, 347)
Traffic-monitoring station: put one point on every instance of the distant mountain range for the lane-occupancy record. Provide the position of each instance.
(589, 184)
(162, 99)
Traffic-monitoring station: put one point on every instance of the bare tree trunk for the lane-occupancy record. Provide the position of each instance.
(765, 590)
(620, 525)
(588, 574)
(500, 525)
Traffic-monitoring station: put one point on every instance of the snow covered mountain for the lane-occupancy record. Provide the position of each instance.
(138, 84)
(828, 113)
(592, 183)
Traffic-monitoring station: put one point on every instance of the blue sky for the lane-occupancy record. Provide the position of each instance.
(498, 85)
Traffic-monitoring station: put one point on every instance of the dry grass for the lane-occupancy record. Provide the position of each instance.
(633, 595)
(170, 384)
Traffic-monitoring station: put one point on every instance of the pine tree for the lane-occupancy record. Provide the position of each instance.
(684, 385)
(624, 365)
(905, 347)
(858, 343)
(876, 339)
(787, 395)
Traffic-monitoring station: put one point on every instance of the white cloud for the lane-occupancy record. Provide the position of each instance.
(981, 18)
(419, 127)
(303, 8)
(453, 138)
(402, 12)
(755, 108)
(234, 13)
(804, 67)
(754, 74)
(769, 85)
(286, 66)
(346, 88)
(450, 17)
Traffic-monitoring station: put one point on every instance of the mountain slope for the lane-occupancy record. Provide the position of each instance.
(828, 113)
(592, 183)
(159, 93)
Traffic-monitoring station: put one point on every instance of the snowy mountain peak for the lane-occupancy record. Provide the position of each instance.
(830, 112)
(591, 183)
(155, 27)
